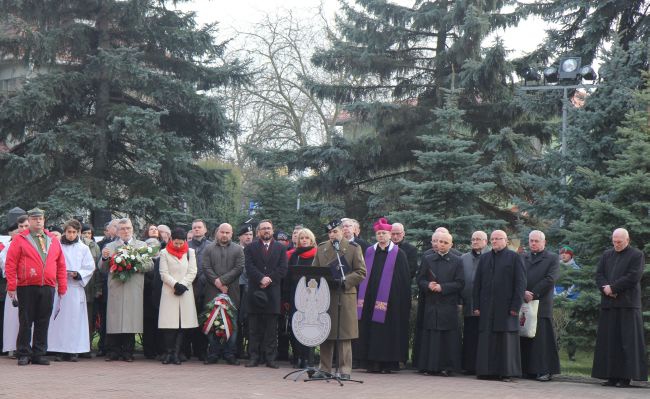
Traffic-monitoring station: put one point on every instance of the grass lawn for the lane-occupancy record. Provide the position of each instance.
(580, 367)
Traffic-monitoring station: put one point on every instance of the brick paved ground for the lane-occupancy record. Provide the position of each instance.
(146, 378)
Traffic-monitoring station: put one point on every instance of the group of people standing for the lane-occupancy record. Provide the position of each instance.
(47, 278)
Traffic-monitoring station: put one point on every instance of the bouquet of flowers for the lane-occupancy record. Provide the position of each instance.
(219, 317)
(128, 260)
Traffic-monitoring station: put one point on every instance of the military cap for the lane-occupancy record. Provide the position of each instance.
(35, 212)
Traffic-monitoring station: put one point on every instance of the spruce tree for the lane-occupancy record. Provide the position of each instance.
(402, 57)
(110, 115)
(449, 186)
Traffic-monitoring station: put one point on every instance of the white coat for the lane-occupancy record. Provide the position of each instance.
(177, 310)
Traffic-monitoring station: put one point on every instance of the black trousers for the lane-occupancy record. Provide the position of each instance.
(263, 334)
(120, 344)
(242, 323)
(34, 306)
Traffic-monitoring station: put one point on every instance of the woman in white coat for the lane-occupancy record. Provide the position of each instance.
(177, 309)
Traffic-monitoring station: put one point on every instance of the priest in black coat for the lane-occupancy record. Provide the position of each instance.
(539, 355)
(441, 280)
(384, 304)
(499, 286)
(620, 352)
(266, 265)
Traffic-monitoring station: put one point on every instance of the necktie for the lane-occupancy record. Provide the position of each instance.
(126, 243)
(41, 241)
(266, 247)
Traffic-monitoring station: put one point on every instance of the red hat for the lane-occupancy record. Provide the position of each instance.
(382, 224)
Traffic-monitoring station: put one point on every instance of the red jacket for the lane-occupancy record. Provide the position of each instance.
(24, 265)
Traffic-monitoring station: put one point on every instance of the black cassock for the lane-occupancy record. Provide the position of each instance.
(499, 287)
(620, 345)
(381, 346)
(539, 355)
(440, 342)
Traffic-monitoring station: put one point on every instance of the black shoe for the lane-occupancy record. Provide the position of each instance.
(73, 358)
(23, 361)
(506, 379)
(445, 373)
(58, 358)
(252, 363)
(211, 360)
(231, 360)
(167, 358)
(40, 360)
(86, 355)
(111, 357)
(544, 377)
(272, 365)
(623, 383)
(610, 383)
(128, 358)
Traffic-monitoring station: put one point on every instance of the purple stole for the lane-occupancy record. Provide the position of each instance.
(381, 303)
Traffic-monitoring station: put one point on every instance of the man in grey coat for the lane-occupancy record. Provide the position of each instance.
(223, 263)
(124, 307)
(470, 321)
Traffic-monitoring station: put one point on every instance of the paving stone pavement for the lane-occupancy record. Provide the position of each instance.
(96, 378)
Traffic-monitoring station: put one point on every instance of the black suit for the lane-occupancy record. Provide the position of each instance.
(263, 318)
(411, 256)
(539, 355)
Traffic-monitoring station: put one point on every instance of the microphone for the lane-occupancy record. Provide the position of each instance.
(337, 245)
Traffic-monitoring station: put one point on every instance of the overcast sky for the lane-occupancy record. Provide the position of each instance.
(241, 14)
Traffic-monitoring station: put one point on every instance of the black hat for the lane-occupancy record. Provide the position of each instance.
(281, 236)
(333, 224)
(55, 228)
(179, 233)
(86, 227)
(260, 298)
(245, 228)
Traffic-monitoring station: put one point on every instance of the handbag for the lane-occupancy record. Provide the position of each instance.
(528, 319)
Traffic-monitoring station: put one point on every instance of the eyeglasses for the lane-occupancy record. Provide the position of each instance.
(478, 239)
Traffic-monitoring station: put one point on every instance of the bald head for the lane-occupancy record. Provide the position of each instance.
(224, 234)
(620, 239)
(499, 240)
(442, 230)
(444, 243)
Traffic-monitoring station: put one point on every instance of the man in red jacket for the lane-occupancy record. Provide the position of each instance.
(35, 263)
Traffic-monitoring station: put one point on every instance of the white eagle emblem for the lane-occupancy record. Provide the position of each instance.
(311, 324)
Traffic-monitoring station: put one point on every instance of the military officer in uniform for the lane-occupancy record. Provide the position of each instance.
(349, 329)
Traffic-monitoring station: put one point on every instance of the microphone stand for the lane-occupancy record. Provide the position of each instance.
(337, 374)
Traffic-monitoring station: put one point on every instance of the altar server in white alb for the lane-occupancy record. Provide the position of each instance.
(68, 331)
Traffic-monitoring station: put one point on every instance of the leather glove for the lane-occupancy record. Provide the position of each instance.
(179, 289)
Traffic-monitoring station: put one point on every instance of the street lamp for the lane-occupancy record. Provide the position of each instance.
(568, 74)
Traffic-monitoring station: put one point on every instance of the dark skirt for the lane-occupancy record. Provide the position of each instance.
(539, 355)
(620, 346)
(498, 354)
(439, 350)
(470, 343)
